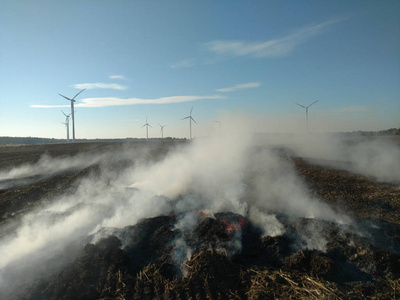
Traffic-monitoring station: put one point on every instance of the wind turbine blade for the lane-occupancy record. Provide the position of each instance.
(193, 120)
(191, 111)
(301, 105)
(313, 103)
(78, 94)
(64, 114)
(66, 97)
(185, 118)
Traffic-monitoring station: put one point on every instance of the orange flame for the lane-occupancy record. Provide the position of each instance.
(232, 227)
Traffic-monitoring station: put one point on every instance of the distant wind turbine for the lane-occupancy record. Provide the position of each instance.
(147, 129)
(72, 112)
(66, 124)
(162, 130)
(190, 121)
(306, 108)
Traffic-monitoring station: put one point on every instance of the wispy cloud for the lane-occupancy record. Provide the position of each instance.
(50, 106)
(249, 85)
(120, 77)
(184, 64)
(269, 48)
(111, 101)
(91, 86)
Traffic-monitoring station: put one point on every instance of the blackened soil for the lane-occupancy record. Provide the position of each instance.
(230, 259)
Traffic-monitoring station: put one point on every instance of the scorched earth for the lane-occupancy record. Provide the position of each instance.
(217, 218)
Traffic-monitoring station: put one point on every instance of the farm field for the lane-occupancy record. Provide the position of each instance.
(183, 220)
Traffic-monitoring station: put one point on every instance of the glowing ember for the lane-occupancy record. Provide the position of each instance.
(203, 213)
(232, 227)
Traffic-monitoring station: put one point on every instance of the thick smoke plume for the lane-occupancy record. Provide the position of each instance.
(230, 171)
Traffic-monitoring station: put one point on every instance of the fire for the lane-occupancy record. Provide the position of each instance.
(203, 213)
(232, 227)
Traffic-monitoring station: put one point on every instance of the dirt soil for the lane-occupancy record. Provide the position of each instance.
(139, 261)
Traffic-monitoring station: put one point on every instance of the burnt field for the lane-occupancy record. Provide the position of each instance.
(210, 219)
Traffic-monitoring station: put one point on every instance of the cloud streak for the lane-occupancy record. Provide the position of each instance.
(120, 77)
(184, 64)
(113, 101)
(270, 48)
(91, 86)
(242, 86)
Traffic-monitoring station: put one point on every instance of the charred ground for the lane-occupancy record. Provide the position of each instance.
(139, 261)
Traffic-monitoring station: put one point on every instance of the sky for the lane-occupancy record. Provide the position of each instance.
(152, 59)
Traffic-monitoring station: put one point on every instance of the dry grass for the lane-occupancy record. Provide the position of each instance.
(238, 282)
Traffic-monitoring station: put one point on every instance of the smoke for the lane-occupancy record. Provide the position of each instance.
(45, 167)
(267, 222)
(375, 157)
(379, 158)
(182, 251)
(313, 236)
(229, 171)
(277, 188)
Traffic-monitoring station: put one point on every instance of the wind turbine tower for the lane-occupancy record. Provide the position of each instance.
(306, 108)
(162, 130)
(190, 121)
(72, 112)
(66, 124)
(147, 129)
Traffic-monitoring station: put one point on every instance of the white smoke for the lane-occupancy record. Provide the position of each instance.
(267, 222)
(225, 172)
(314, 236)
(376, 157)
(379, 158)
(278, 189)
(47, 166)
(182, 252)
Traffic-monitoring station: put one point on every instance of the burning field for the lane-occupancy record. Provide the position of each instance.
(216, 218)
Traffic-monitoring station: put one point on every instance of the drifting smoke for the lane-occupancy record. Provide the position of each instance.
(45, 167)
(376, 157)
(225, 172)
(379, 158)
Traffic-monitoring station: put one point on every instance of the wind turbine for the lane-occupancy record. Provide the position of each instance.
(190, 121)
(66, 124)
(72, 112)
(306, 108)
(147, 129)
(162, 130)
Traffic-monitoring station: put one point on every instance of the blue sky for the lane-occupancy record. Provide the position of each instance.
(157, 59)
